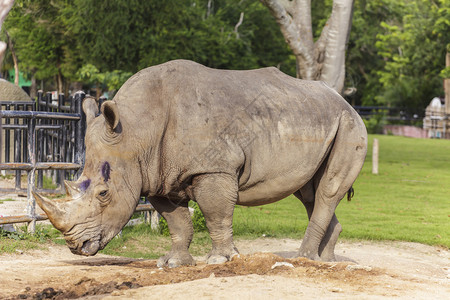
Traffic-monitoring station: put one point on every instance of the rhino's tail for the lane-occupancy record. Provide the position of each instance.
(350, 194)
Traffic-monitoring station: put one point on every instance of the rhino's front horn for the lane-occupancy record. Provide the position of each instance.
(54, 212)
(71, 188)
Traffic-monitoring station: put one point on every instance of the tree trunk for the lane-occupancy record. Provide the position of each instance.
(14, 57)
(33, 88)
(98, 91)
(339, 25)
(325, 58)
(5, 6)
(59, 79)
(447, 87)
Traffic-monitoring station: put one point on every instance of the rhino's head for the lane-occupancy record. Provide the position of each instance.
(102, 200)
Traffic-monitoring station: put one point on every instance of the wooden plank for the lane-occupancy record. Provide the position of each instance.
(41, 217)
(40, 166)
(21, 219)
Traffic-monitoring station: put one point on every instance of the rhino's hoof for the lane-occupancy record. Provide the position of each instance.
(161, 262)
(174, 262)
(309, 255)
(216, 259)
(328, 257)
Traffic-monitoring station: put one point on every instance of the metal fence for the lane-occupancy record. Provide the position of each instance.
(44, 139)
(392, 114)
(58, 127)
(45, 135)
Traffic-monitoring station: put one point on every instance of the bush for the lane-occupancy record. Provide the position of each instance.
(376, 122)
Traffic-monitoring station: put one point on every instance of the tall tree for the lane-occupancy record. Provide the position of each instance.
(362, 60)
(41, 40)
(413, 49)
(323, 59)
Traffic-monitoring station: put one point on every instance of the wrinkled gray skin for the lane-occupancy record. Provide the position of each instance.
(181, 131)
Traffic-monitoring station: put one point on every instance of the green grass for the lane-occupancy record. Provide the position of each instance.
(4, 200)
(47, 183)
(20, 240)
(141, 242)
(285, 218)
(409, 200)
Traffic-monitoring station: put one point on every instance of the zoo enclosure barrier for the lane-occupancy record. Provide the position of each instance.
(393, 114)
(44, 135)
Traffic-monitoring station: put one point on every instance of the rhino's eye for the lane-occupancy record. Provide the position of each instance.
(103, 193)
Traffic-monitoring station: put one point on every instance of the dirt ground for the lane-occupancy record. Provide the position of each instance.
(365, 270)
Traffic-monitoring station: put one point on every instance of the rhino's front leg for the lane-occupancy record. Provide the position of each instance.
(216, 195)
(181, 231)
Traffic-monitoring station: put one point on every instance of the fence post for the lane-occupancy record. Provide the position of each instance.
(31, 204)
(375, 157)
(17, 136)
(61, 101)
(155, 216)
(80, 132)
(100, 101)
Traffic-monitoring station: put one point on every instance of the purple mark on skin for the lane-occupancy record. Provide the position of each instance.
(106, 170)
(85, 185)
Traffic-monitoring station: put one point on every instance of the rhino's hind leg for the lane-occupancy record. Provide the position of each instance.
(340, 170)
(328, 243)
(181, 231)
(326, 248)
(216, 195)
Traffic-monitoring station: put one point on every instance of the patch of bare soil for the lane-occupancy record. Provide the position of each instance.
(364, 271)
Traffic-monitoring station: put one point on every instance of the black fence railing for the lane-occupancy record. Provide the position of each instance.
(59, 128)
(42, 136)
(393, 114)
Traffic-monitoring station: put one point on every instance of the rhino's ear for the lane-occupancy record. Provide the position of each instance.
(90, 108)
(111, 114)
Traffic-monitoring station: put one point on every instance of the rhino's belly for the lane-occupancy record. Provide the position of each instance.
(272, 190)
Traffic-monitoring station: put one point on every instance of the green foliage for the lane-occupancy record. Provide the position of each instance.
(413, 47)
(445, 73)
(111, 81)
(47, 183)
(395, 53)
(103, 42)
(146, 33)
(40, 38)
(376, 122)
(198, 221)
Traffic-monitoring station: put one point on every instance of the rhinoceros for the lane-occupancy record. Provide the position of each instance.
(181, 131)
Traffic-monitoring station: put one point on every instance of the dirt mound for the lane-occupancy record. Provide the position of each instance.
(384, 270)
(146, 273)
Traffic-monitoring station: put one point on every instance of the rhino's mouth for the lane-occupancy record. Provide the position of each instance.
(88, 248)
